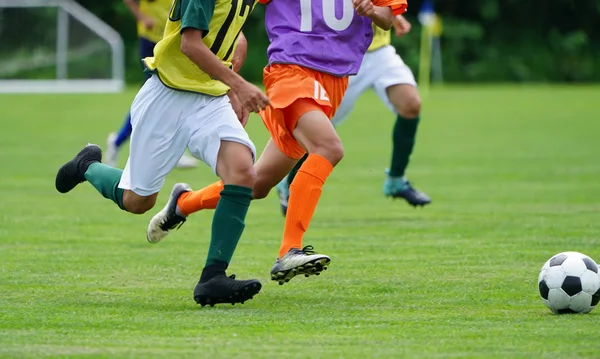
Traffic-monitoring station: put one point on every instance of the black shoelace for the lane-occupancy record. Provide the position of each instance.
(172, 222)
(308, 250)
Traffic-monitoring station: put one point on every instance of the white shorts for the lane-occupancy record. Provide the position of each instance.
(379, 70)
(165, 122)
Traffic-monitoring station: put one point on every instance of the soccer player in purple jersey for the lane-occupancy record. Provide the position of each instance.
(392, 80)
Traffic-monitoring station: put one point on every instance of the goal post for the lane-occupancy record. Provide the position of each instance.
(57, 46)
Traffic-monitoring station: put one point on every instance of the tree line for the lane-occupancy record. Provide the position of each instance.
(483, 41)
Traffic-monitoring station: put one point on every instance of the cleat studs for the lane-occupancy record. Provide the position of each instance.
(280, 282)
(242, 302)
(287, 280)
(317, 273)
(324, 268)
(307, 275)
(212, 305)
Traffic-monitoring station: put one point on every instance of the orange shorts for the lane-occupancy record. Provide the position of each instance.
(293, 91)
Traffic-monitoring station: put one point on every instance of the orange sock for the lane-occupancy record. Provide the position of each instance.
(305, 192)
(206, 198)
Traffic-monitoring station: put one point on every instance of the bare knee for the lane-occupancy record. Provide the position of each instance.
(241, 174)
(411, 107)
(406, 100)
(316, 133)
(136, 204)
(332, 150)
(262, 187)
(235, 165)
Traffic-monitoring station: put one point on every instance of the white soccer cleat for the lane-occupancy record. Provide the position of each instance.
(167, 219)
(299, 261)
(111, 154)
(187, 162)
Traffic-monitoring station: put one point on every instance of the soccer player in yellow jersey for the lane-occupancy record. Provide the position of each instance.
(384, 71)
(193, 100)
(151, 16)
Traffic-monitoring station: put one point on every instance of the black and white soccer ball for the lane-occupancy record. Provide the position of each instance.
(569, 282)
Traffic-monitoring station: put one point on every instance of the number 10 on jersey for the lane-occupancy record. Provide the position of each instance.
(328, 7)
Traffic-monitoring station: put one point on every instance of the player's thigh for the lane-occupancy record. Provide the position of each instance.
(271, 167)
(212, 124)
(316, 133)
(395, 84)
(235, 164)
(157, 138)
(405, 100)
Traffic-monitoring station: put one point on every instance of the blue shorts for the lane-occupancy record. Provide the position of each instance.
(146, 50)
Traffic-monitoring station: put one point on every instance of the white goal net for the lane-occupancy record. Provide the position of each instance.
(57, 46)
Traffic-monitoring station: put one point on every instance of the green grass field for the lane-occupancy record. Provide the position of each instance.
(513, 173)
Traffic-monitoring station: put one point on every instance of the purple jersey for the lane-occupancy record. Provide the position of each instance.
(324, 35)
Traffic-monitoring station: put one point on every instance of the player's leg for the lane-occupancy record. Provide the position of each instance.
(86, 166)
(235, 167)
(316, 133)
(219, 140)
(356, 86)
(302, 103)
(397, 88)
(135, 188)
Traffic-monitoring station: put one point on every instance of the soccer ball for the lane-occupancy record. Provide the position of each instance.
(569, 282)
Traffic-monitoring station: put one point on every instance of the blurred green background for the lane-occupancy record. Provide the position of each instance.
(483, 41)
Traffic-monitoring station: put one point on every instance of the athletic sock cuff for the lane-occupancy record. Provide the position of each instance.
(238, 194)
(213, 270)
(317, 166)
(409, 122)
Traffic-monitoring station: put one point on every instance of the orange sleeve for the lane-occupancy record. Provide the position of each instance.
(398, 6)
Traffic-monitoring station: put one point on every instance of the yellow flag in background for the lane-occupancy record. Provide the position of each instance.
(430, 47)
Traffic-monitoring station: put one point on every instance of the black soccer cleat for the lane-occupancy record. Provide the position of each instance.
(400, 188)
(223, 289)
(413, 196)
(72, 173)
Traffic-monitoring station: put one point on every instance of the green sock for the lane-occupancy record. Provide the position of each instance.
(294, 171)
(106, 180)
(228, 223)
(405, 131)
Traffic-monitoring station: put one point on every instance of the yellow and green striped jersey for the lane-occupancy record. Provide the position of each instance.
(221, 22)
(157, 10)
(381, 38)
